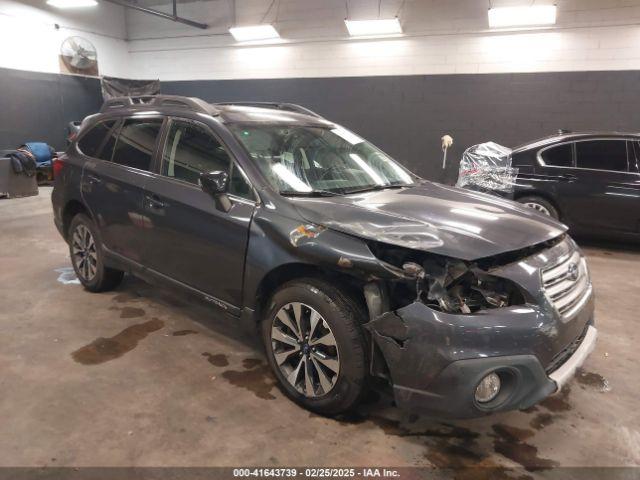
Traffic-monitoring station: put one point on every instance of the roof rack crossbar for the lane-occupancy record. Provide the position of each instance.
(289, 107)
(159, 100)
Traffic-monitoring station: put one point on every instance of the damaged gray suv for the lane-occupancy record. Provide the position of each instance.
(353, 267)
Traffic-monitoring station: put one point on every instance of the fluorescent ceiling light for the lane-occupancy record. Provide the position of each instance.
(72, 3)
(522, 16)
(255, 32)
(386, 26)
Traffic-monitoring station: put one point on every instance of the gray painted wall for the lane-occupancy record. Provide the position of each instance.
(38, 106)
(403, 115)
(407, 115)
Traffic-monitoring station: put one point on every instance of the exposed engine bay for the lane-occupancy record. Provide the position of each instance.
(444, 284)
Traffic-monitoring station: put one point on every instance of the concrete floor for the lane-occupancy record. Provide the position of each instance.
(146, 377)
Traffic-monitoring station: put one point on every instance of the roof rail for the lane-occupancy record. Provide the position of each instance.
(146, 101)
(288, 107)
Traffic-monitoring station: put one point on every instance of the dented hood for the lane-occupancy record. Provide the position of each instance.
(445, 220)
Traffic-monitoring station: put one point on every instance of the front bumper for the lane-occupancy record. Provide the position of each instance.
(435, 359)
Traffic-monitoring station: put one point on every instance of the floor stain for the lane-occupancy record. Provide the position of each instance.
(217, 360)
(590, 379)
(256, 377)
(250, 363)
(558, 402)
(542, 420)
(182, 333)
(509, 442)
(132, 312)
(125, 297)
(104, 349)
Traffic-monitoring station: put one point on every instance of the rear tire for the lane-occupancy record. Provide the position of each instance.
(87, 256)
(315, 346)
(540, 205)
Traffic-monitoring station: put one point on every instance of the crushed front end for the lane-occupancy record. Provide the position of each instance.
(461, 339)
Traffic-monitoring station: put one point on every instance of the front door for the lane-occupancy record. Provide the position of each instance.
(191, 241)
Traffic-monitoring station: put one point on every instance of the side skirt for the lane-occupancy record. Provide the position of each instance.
(115, 260)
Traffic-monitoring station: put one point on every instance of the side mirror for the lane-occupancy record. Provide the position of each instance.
(216, 184)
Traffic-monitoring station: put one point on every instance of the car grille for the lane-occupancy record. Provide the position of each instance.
(567, 285)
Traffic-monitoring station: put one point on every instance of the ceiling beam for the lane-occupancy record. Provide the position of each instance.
(157, 13)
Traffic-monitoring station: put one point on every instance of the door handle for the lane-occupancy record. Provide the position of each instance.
(154, 202)
(569, 177)
(93, 180)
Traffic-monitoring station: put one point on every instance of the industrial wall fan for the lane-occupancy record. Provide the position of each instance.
(78, 55)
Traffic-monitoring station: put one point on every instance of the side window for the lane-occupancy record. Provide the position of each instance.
(191, 150)
(136, 142)
(560, 156)
(90, 142)
(602, 155)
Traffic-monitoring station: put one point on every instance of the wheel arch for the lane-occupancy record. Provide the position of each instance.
(298, 270)
(544, 195)
(71, 209)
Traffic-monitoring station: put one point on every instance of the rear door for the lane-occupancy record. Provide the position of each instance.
(554, 174)
(607, 185)
(113, 181)
(192, 241)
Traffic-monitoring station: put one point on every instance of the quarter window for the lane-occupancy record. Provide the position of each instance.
(136, 143)
(560, 156)
(90, 142)
(191, 150)
(602, 155)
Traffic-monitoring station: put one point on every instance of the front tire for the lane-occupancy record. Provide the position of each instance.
(315, 346)
(87, 256)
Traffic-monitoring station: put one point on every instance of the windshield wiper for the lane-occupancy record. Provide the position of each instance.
(312, 193)
(372, 188)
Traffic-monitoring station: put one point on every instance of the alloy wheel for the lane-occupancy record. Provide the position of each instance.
(83, 248)
(538, 207)
(305, 349)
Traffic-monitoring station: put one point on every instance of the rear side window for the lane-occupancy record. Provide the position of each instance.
(560, 156)
(602, 155)
(136, 143)
(91, 141)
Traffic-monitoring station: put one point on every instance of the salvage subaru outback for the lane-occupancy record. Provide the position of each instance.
(353, 267)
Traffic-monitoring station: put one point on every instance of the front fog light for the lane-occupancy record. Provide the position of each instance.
(488, 388)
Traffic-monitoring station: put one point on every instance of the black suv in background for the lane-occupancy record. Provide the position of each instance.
(352, 266)
(590, 181)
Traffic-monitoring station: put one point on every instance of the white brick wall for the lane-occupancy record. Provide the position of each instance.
(441, 37)
(30, 41)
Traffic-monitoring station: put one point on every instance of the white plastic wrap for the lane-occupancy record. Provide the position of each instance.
(487, 167)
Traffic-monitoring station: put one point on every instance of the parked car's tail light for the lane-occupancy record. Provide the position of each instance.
(58, 165)
(488, 388)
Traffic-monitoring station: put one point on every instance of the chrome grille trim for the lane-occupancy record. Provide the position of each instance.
(566, 292)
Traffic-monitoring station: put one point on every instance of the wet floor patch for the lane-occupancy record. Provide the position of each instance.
(467, 452)
(102, 349)
(131, 312)
(67, 276)
(510, 443)
(182, 333)
(558, 402)
(126, 297)
(217, 360)
(542, 420)
(256, 377)
(593, 380)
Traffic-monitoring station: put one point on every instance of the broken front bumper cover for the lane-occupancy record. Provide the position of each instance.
(568, 369)
(436, 359)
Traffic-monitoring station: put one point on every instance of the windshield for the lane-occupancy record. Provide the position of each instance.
(302, 160)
